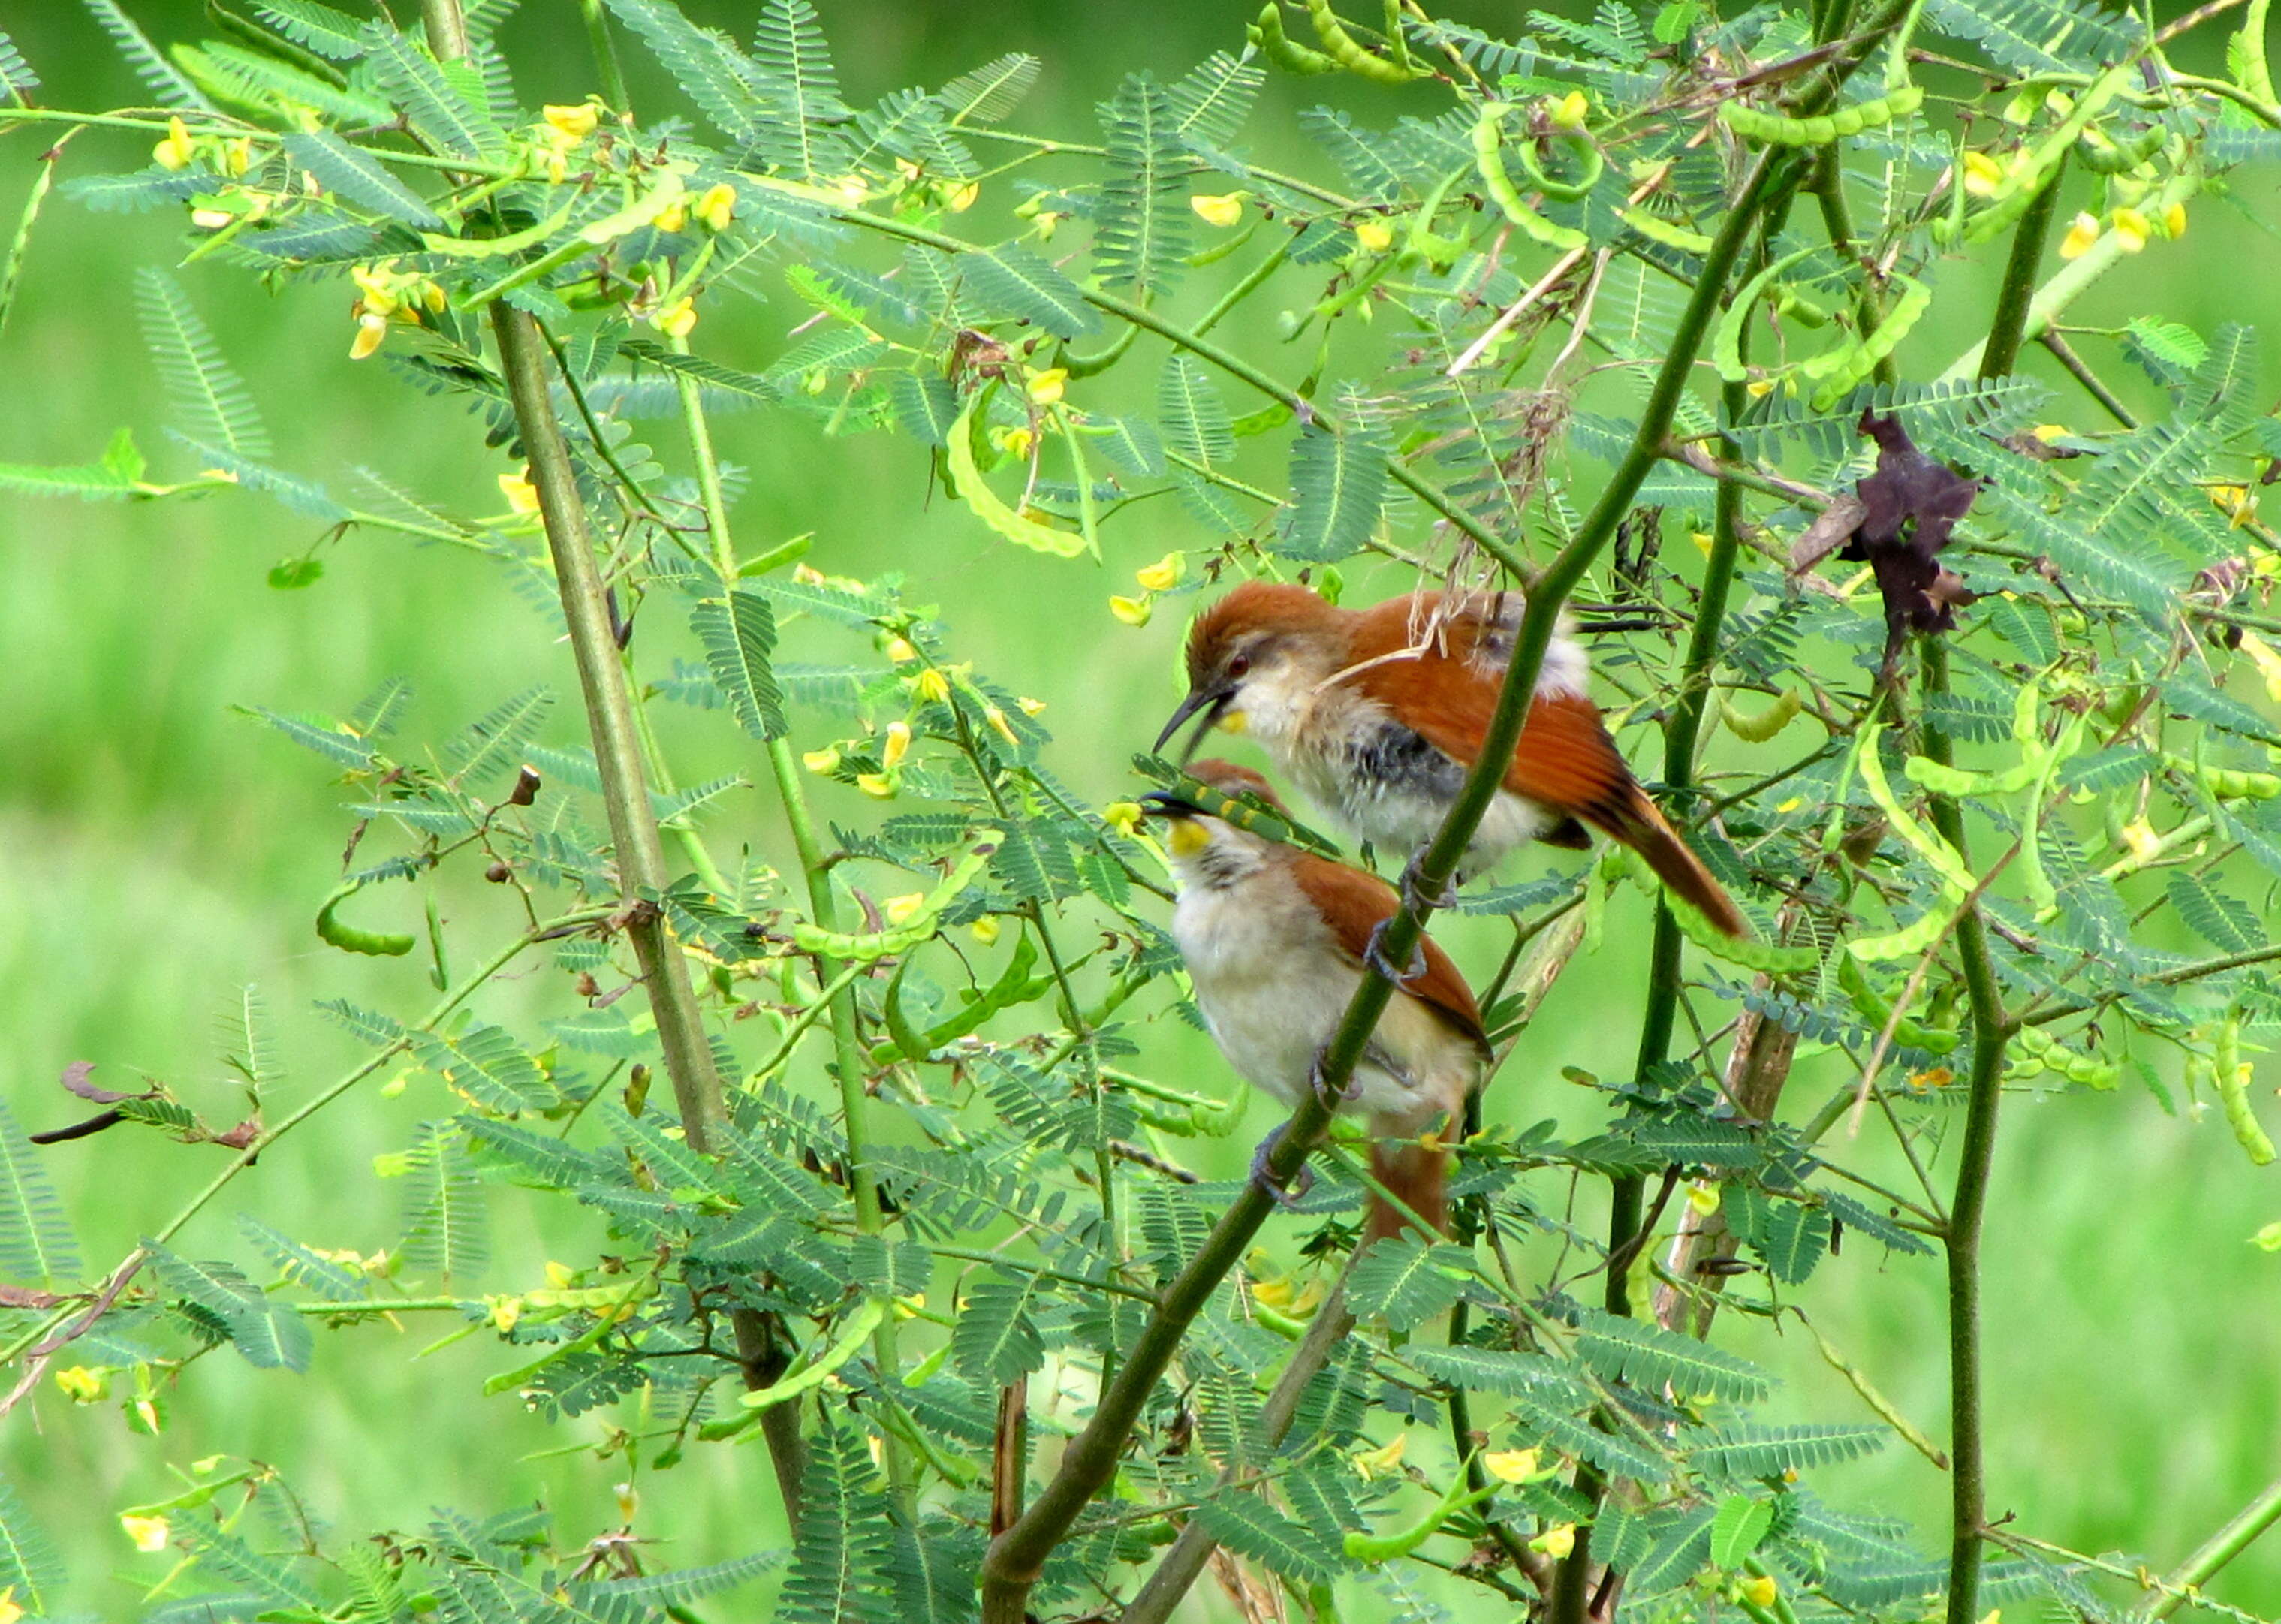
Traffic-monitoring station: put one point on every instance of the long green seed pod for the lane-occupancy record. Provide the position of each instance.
(1488, 159)
(1266, 32)
(1344, 49)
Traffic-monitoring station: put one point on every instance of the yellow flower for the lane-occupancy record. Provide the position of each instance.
(80, 1384)
(2132, 229)
(879, 785)
(1014, 442)
(1570, 110)
(1759, 1589)
(996, 718)
(852, 190)
(175, 151)
(819, 760)
(2080, 237)
(2268, 1239)
(2238, 503)
(1132, 611)
(1029, 706)
(1703, 1198)
(984, 931)
(718, 206)
(901, 909)
(147, 1533)
(1555, 1542)
(370, 330)
(899, 743)
(211, 220)
(1757, 389)
(1124, 816)
(2138, 835)
(522, 495)
(1511, 1465)
(1046, 388)
(576, 122)
(2267, 662)
(1983, 175)
(2174, 221)
(901, 652)
(628, 1500)
(2049, 432)
(506, 1311)
(677, 319)
(1223, 211)
(377, 284)
(10, 1611)
(1164, 573)
(932, 684)
(239, 155)
(673, 217)
(1791, 805)
(961, 197)
(559, 1275)
(1375, 236)
(1376, 1463)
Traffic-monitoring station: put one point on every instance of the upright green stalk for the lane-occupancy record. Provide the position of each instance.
(2219, 1549)
(606, 56)
(2008, 328)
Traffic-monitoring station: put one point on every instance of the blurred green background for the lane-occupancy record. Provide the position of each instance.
(157, 851)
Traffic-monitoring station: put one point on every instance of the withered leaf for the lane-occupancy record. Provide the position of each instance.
(1909, 506)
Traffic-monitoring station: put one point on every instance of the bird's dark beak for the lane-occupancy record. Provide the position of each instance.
(1165, 803)
(1210, 701)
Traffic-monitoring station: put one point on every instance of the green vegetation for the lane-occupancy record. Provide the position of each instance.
(904, 1007)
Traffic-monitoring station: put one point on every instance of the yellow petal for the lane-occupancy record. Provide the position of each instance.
(1222, 211)
(1983, 175)
(899, 743)
(1373, 1463)
(1570, 110)
(521, 494)
(1703, 1198)
(673, 217)
(575, 122)
(1014, 442)
(211, 220)
(901, 909)
(901, 652)
(1374, 236)
(1555, 1542)
(1132, 611)
(2080, 237)
(962, 197)
(1759, 1589)
(370, 330)
(80, 1384)
(2174, 221)
(1124, 816)
(932, 684)
(559, 1275)
(879, 785)
(1511, 1465)
(9, 1610)
(2132, 229)
(2267, 662)
(628, 1499)
(147, 1533)
(175, 151)
(677, 319)
(819, 760)
(718, 206)
(985, 930)
(2138, 835)
(1046, 388)
(1029, 706)
(1164, 574)
(996, 718)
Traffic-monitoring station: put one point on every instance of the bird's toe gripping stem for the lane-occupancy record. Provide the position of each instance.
(1265, 1179)
(1414, 894)
(1373, 953)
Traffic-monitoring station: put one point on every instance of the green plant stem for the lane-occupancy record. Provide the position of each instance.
(2000, 357)
(2219, 1549)
(606, 56)
(2080, 371)
(691, 844)
(1966, 1213)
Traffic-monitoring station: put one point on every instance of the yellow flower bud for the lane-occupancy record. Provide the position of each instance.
(901, 652)
(1375, 236)
(1046, 387)
(507, 1312)
(576, 122)
(1049, 221)
(902, 909)
(673, 217)
(1164, 574)
(370, 330)
(628, 1499)
(984, 931)
(147, 1533)
(1123, 816)
(1375, 1463)
(1014, 442)
(2139, 837)
(559, 1275)
(2049, 432)
(898, 745)
(2174, 221)
(1132, 611)
(1223, 211)
(80, 1384)
(10, 1609)
(1029, 706)
(1511, 1465)
(2132, 229)
(1570, 110)
(176, 150)
(1757, 389)
(1759, 1589)
(211, 220)
(677, 319)
(852, 190)
(1983, 175)
(240, 155)
(821, 760)
(2267, 662)
(2080, 237)
(879, 785)
(1703, 1198)
(996, 718)
(962, 196)
(718, 206)
(932, 684)
(1555, 1542)
(522, 495)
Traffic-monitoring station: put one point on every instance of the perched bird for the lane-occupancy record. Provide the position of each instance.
(1378, 713)
(1274, 938)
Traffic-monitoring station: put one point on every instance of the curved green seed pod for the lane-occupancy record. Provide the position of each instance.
(1751, 954)
(1794, 305)
(2102, 154)
(1266, 32)
(1587, 152)
(1727, 339)
(901, 938)
(1658, 229)
(1858, 360)
(2228, 783)
(1875, 1011)
(866, 1320)
(1758, 729)
(1819, 129)
(2024, 184)
(1376, 1548)
(336, 932)
(2232, 1084)
(2038, 883)
(1925, 842)
(1441, 252)
(1912, 938)
(1343, 48)
(1489, 160)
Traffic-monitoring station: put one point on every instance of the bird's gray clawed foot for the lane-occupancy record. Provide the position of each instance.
(1373, 953)
(1265, 1180)
(1413, 890)
(1336, 1099)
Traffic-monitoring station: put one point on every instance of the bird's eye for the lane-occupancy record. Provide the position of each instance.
(1239, 666)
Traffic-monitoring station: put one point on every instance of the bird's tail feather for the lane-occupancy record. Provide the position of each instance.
(1415, 1176)
(1637, 822)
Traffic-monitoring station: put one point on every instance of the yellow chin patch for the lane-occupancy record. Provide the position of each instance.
(1187, 837)
(1232, 721)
